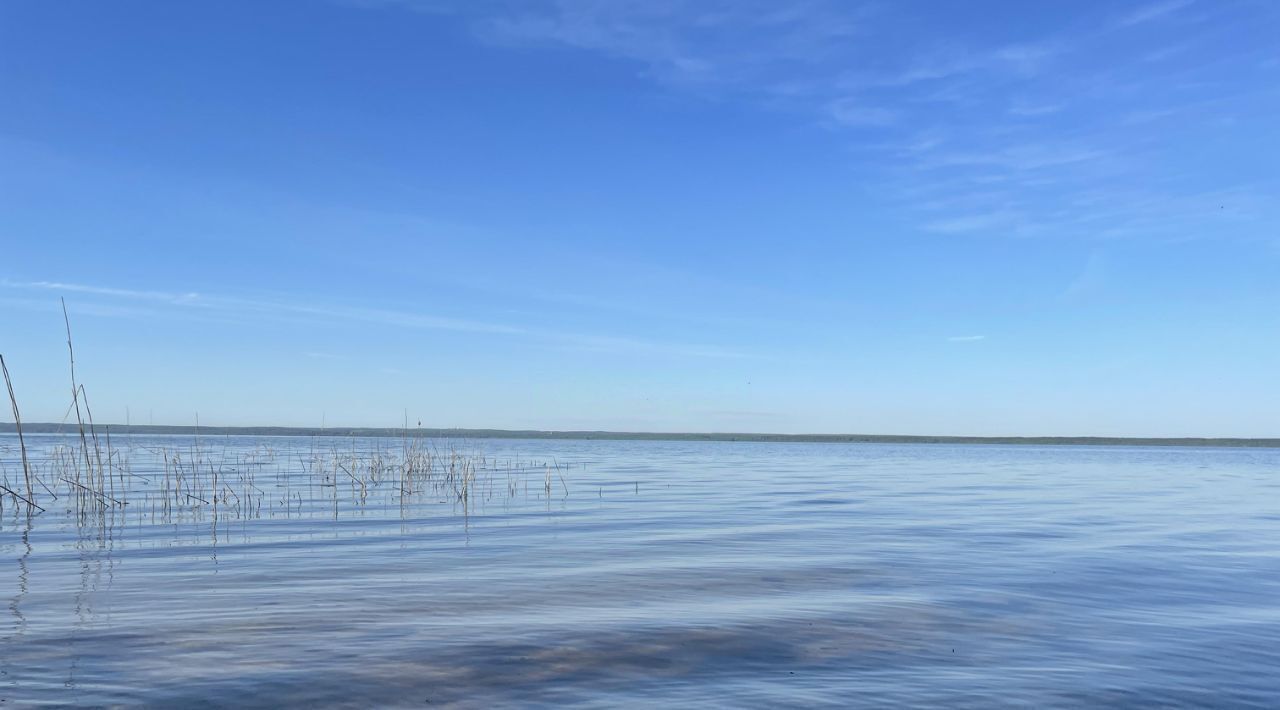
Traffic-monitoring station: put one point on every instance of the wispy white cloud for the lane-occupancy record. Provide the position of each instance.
(1021, 157)
(247, 309)
(966, 338)
(820, 56)
(377, 316)
(1037, 115)
(685, 41)
(1163, 53)
(973, 223)
(106, 310)
(1022, 107)
(1026, 59)
(1147, 115)
(189, 297)
(1152, 11)
(930, 66)
(852, 112)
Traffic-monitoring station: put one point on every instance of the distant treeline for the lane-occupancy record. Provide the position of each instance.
(416, 432)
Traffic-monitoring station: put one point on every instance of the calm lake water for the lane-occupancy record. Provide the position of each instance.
(678, 574)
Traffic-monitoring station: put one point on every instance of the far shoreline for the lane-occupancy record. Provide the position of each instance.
(436, 433)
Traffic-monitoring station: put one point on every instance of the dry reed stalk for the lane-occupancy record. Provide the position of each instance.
(97, 494)
(75, 392)
(93, 432)
(13, 493)
(17, 425)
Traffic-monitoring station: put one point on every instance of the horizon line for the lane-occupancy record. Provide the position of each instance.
(602, 434)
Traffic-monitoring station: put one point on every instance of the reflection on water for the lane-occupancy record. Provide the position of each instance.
(240, 571)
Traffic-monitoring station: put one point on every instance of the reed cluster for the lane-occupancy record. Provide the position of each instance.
(88, 474)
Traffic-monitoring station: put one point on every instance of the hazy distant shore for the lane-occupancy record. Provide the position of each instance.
(48, 428)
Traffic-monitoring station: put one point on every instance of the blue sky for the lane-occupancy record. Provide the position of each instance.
(883, 217)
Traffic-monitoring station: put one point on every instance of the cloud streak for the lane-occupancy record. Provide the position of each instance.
(101, 291)
(250, 308)
(1043, 118)
(1153, 11)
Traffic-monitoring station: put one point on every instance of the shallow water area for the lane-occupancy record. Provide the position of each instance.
(259, 571)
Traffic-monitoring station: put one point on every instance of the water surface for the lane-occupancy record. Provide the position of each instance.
(652, 573)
